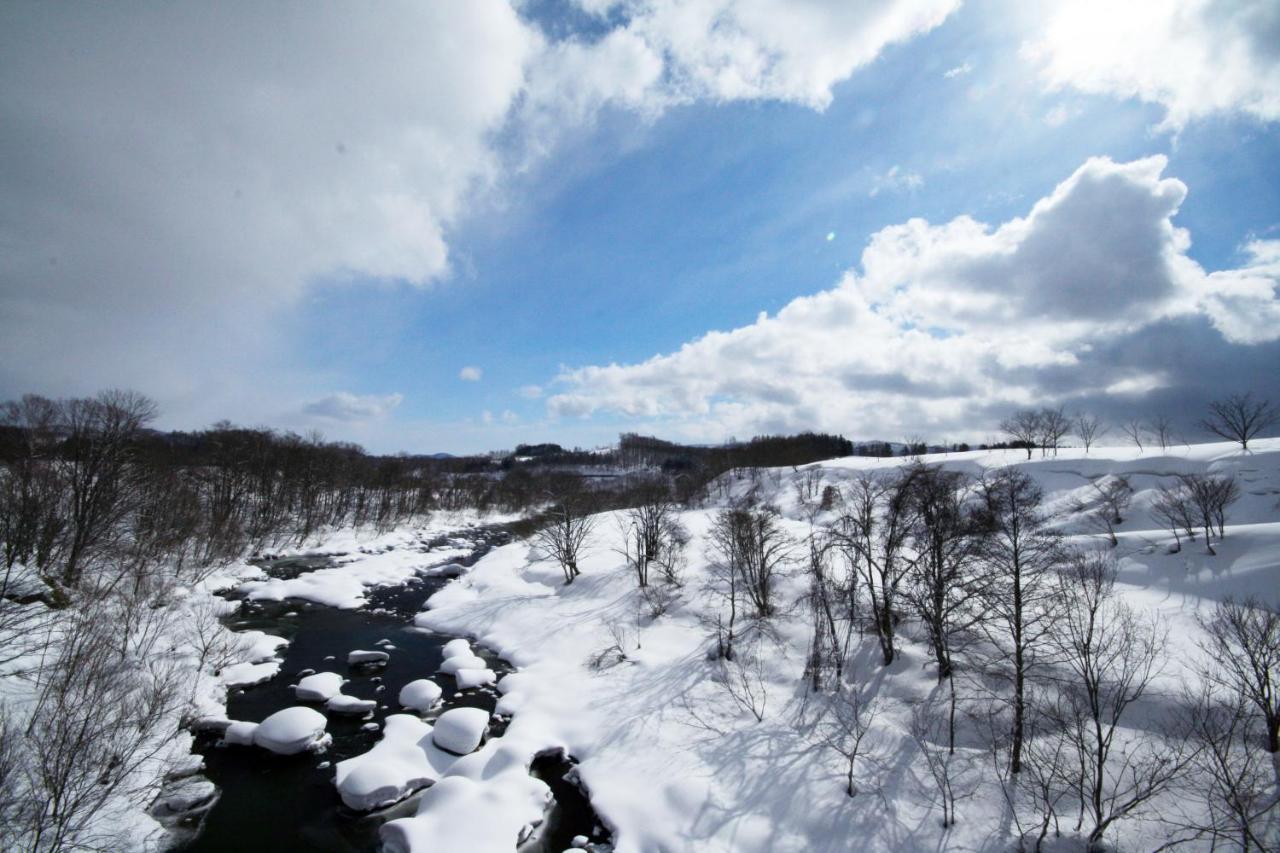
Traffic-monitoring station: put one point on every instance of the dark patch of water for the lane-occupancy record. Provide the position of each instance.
(279, 803)
(572, 814)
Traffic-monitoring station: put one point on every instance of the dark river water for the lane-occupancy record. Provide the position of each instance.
(274, 802)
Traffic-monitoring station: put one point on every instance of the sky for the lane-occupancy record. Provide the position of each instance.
(458, 226)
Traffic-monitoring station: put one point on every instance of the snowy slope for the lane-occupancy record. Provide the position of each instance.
(672, 763)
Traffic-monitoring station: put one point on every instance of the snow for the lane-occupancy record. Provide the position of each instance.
(248, 674)
(240, 733)
(459, 730)
(465, 661)
(456, 648)
(319, 687)
(292, 730)
(469, 678)
(404, 760)
(350, 705)
(420, 695)
(486, 803)
(672, 764)
(361, 657)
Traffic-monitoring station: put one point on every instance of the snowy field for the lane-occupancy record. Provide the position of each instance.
(673, 763)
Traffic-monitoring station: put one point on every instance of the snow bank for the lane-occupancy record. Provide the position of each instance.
(248, 674)
(420, 695)
(239, 733)
(470, 678)
(320, 687)
(486, 803)
(459, 730)
(399, 764)
(292, 730)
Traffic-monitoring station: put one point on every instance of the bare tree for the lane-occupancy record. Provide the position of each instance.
(932, 730)
(1162, 429)
(947, 537)
(1112, 495)
(1135, 430)
(1022, 554)
(1023, 428)
(564, 535)
(1244, 645)
(1210, 496)
(1089, 429)
(1240, 417)
(844, 731)
(753, 544)
(873, 532)
(1054, 426)
(1175, 509)
(1234, 782)
(653, 535)
(1110, 657)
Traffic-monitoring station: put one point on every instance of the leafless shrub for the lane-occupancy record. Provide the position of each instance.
(745, 680)
(1174, 508)
(566, 531)
(1023, 428)
(652, 535)
(932, 728)
(1109, 502)
(1244, 646)
(844, 729)
(1135, 430)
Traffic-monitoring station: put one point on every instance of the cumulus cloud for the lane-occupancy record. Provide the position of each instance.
(470, 374)
(946, 324)
(177, 176)
(347, 407)
(1193, 57)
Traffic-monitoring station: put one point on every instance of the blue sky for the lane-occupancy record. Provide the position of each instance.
(584, 226)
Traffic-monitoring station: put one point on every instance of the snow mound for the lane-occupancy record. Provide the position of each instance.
(399, 764)
(456, 648)
(239, 733)
(486, 802)
(457, 662)
(350, 705)
(460, 730)
(361, 657)
(320, 687)
(292, 730)
(469, 678)
(249, 674)
(420, 695)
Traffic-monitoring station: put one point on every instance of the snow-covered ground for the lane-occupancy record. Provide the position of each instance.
(672, 763)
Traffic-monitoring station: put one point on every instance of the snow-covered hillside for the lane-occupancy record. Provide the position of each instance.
(673, 762)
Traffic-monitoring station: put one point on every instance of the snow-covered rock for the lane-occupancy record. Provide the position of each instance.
(456, 647)
(361, 657)
(239, 733)
(420, 695)
(248, 674)
(350, 705)
(486, 802)
(292, 730)
(460, 730)
(320, 687)
(469, 678)
(457, 662)
(403, 761)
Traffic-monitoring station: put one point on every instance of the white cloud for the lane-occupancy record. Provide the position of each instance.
(345, 406)
(896, 179)
(177, 177)
(530, 392)
(470, 374)
(1193, 57)
(791, 50)
(945, 323)
(958, 71)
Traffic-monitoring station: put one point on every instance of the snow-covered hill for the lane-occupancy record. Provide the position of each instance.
(672, 762)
